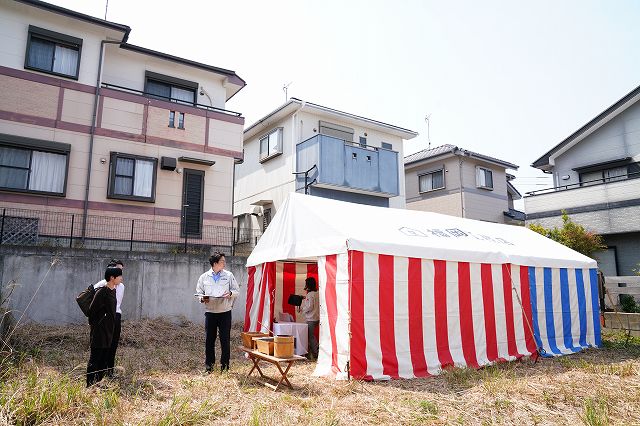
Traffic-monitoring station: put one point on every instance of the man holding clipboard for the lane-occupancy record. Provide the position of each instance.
(217, 289)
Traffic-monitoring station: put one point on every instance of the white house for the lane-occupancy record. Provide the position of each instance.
(305, 147)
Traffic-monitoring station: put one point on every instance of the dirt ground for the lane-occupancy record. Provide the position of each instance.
(162, 382)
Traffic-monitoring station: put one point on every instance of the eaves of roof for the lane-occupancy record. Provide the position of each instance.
(81, 16)
(285, 109)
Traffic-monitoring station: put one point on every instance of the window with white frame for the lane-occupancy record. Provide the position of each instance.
(484, 178)
(25, 169)
(132, 177)
(431, 181)
(271, 144)
(53, 53)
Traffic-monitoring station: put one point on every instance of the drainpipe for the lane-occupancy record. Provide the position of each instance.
(236, 161)
(294, 132)
(462, 153)
(92, 134)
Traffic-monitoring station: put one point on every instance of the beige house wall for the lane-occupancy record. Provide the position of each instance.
(479, 203)
(27, 97)
(122, 115)
(77, 107)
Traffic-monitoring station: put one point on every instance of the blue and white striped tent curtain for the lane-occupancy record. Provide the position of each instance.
(566, 309)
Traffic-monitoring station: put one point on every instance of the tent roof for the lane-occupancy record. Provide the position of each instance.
(307, 226)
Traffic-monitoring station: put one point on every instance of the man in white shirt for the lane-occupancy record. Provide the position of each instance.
(111, 355)
(217, 289)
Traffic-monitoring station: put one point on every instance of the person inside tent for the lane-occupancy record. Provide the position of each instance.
(311, 310)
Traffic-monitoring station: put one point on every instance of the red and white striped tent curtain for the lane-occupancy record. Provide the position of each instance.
(268, 289)
(410, 317)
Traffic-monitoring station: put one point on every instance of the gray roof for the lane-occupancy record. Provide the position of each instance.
(446, 149)
(543, 162)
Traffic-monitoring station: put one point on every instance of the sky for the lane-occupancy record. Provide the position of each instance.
(509, 79)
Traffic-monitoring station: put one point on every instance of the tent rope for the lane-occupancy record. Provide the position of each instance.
(540, 350)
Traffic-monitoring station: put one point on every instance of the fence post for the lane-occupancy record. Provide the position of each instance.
(131, 240)
(185, 240)
(71, 236)
(4, 213)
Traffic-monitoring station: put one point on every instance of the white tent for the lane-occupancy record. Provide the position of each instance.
(461, 291)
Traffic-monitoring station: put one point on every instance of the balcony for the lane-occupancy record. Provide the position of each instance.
(602, 207)
(347, 166)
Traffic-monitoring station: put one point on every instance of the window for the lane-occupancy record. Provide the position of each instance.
(172, 118)
(132, 177)
(181, 120)
(386, 145)
(266, 219)
(32, 171)
(363, 141)
(271, 144)
(431, 181)
(607, 175)
(335, 131)
(170, 88)
(484, 178)
(53, 53)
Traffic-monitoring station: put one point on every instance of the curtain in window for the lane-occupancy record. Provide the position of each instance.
(619, 173)
(484, 178)
(124, 176)
(41, 53)
(438, 180)
(186, 96)
(66, 61)
(143, 183)
(47, 172)
(426, 183)
(158, 89)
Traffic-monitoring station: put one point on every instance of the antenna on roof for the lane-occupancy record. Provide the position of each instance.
(286, 90)
(426, 120)
(106, 6)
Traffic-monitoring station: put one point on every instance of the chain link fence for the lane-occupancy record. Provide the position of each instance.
(61, 229)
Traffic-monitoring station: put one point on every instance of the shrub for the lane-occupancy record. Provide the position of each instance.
(572, 235)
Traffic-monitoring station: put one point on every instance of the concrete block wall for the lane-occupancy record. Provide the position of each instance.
(157, 284)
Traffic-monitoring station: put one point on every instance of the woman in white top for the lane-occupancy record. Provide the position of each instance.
(311, 310)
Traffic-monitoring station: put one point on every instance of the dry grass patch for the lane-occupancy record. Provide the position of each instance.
(42, 382)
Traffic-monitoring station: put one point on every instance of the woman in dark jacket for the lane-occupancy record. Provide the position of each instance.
(102, 317)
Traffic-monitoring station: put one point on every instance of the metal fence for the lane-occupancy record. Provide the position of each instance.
(62, 229)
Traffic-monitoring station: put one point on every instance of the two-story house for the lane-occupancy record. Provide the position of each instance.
(458, 182)
(313, 149)
(91, 125)
(594, 171)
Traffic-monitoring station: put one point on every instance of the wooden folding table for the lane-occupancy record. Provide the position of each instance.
(256, 357)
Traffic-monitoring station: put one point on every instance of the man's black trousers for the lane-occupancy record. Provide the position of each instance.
(214, 324)
(97, 365)
(111, 357)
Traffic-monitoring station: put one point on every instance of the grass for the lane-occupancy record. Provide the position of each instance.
(42, 382)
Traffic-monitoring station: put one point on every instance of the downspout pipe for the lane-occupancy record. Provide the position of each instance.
(92, 132)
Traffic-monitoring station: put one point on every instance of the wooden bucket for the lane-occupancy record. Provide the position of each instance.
(247, 338)
(264, 345)
(283, 346)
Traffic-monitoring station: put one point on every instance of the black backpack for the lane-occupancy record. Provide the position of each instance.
(85, 298)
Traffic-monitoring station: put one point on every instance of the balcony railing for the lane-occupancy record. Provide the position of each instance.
(349, 166)
(587, 183)
(39, 228)
(169, 99)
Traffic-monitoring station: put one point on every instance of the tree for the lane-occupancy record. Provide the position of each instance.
(573, 236)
